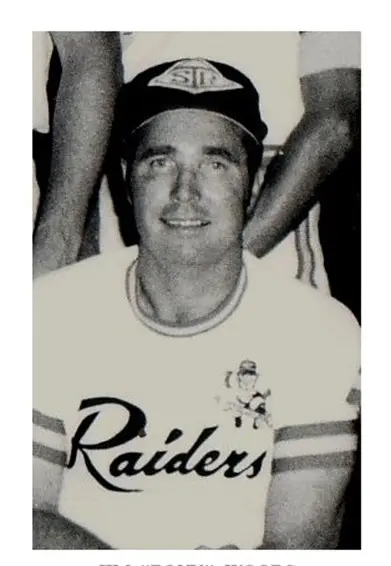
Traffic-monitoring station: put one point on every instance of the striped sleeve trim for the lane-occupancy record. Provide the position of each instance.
(317, 445)
(313, 430)
(48, 438)
(311, 254)
(48, 423)
(49, 454)
(331, 460)
(306, 261)
(299, 253)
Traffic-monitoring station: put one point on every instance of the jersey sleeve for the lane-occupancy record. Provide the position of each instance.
(317, 419)
(322, 51)
(49, 434)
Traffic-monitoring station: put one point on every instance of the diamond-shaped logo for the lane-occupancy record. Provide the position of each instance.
(195, 76)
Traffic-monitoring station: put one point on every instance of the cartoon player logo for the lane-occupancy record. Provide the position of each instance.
(243, 396)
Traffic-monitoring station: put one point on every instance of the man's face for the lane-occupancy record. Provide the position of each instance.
(189, 182)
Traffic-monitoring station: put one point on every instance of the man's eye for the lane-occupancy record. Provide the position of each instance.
(160, 163)
(216, 165)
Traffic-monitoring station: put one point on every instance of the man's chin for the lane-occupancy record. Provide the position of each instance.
(191, 252)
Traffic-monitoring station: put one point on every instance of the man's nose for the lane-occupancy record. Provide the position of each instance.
(186, 187)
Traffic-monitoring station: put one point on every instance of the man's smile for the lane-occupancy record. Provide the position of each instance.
(184, 223)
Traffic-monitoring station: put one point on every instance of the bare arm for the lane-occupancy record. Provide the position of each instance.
(305, 509)
(315, 148)
(91, 76)
(312, 469)
(53, 532)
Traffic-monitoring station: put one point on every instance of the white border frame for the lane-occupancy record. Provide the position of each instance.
(16, 254)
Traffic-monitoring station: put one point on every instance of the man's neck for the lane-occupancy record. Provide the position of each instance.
(185, 294)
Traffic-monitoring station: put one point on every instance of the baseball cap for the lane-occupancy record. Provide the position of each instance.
(194, 84)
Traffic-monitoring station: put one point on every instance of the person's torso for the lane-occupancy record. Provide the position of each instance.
(155, 441)
(163, 436)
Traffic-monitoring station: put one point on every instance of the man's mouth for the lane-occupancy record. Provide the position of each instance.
(185, 222)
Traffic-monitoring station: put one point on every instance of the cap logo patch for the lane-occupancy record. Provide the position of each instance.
(195, 76)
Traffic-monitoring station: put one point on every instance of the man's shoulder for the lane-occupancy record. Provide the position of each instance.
(310, 337)
(298, 305)
(84, 278)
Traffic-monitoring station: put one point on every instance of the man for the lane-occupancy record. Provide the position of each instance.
(132, 350)
(79, 128)
(271, 61)
(328, 65)
(312, 126)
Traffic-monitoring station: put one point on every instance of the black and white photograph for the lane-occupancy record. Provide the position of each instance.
(196, 290)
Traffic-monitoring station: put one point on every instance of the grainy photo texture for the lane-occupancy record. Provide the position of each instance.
(196, 233)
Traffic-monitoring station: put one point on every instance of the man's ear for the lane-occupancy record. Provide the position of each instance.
(256, 189)
(124, 167)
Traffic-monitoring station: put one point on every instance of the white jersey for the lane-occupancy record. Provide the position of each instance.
(324, 50)
(173, 433)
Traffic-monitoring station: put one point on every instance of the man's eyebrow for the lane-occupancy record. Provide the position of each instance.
(221, 152)
(156, 150)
